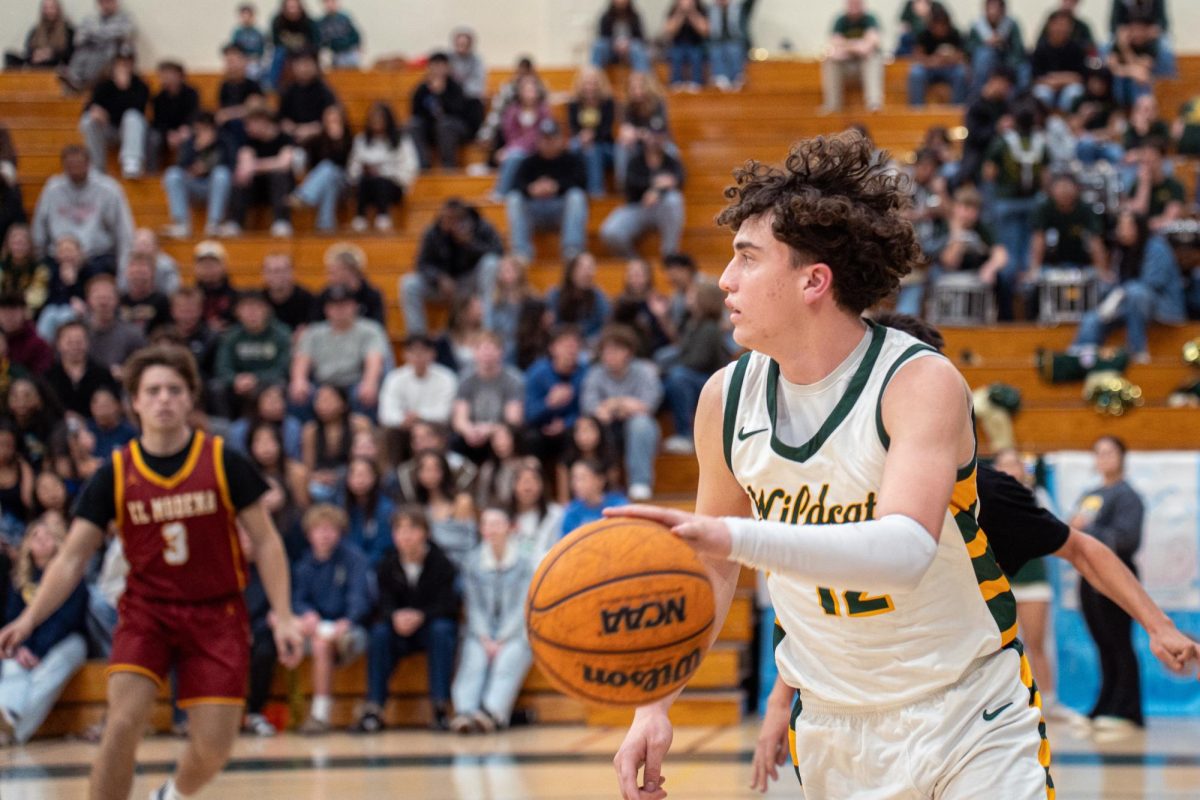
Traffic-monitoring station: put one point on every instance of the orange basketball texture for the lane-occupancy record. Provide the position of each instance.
(620, 612)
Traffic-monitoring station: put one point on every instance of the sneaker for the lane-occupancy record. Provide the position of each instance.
(281, 229)
(314, 727)
(639, 492)
(258, 725)
(227, 230)
(441, 718)
(8, 734)
(462, 724)
(679, 445)
(211, 229)
(485, 722)
(358, 224)
(131, 171)
(722, 83)
(1112, 729)
(478, 169)
(369, 721)
(383, 223)
(176, 231)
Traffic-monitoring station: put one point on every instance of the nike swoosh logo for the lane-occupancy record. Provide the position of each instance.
(743, 435)
(988, 716)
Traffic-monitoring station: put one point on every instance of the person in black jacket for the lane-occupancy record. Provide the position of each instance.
(653, 198)
(304, 99)
(548, 193)
(440, 115)
(176, 103)
(116, 112)
(460, 253)
(203, 172)
(418, 610)
(983, 119)
(621, 38)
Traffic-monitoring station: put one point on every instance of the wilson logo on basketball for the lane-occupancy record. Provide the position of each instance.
(648, 615)
(648, 680)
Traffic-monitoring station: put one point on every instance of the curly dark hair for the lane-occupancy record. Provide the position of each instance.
(837, 201)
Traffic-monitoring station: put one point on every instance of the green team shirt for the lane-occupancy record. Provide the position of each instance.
(1133, 139)
(855, 27)
(1162, 194)
(980, 242)
(1008, 171)
(1189, 140)
(1068, 233)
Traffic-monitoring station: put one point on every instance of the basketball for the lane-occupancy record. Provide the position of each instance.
(620, 613)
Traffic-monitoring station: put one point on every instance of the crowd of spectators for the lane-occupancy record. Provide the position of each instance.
(413, 495)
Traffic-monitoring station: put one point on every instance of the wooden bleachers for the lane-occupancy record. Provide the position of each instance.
(716, 132)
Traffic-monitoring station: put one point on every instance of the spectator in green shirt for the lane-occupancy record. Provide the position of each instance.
(913, 18)
(854, 49)
(1066, 232)
(1155, 194)
(940, 57)
(1187, 127)
(993, 41)
(253, 353)
(1081, 32)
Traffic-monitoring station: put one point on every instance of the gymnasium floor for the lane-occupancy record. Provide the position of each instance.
(561, 763)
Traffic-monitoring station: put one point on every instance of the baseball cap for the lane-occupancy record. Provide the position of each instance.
(337, 293)
(210, 249)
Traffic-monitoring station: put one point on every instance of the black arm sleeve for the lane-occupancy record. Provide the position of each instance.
(246, 485)
(96, 502)
(1018, 529)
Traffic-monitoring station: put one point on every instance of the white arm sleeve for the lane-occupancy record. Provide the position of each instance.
(885, 555)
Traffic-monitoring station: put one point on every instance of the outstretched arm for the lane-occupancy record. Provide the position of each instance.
(273, 569)
(1101, 567)
(62, 576)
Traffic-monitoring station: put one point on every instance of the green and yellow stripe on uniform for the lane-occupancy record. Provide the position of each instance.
(993, 585)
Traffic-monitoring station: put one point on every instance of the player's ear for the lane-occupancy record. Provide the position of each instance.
(816, 281)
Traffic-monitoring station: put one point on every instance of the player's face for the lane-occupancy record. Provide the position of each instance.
(163, 401)
(763, 288)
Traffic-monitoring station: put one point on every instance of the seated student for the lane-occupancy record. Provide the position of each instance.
(591, 115)
(577, 300)
(99, 39)
(1058, 63)
(994, 42)
(1145, 21)
(368, 508)
(940, 57)
(1132, 62)
(293, 32)
(624, 393)
(304, 99)
(49, 43)
(536, 517)
(32, 680)
(494, 486)
(469, 70)
(495, 646)
(549, 193)
(418, 611)
(383, 166)
(248, 40)
(440, 115)
(701, 351)
(327, 155)
(1156, 195)
(263, 175)
(203, 172)
(418, 390)
(174, 106)
(1096, 120)
(22, 271)
(620, 38)
(589, 495)
(914, 16)
(644, 309)
(685, 33)
(346, 268)
(435, 437)
(253, 353)
(292, 303)
(1149, 289)
(449, 508)
(552, 386)
(107, 422)
(644, 102)
(653, 199)
(1067, 234)
(727, 44)
(331, 595)
(142, 304)
(116, 112)
(340, 36)
(519, 126)
(238, 94)
(489, 396)
(345, 351)
(326, 440)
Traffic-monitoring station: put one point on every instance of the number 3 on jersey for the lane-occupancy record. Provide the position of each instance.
(858, 604)
(175, 548)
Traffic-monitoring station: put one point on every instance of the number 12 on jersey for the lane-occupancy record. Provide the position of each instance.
(857, 604)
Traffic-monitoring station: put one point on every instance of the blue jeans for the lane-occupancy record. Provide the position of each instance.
(920, 76)
(1089, 150)
(1134, 312)
(568, 213)
(130, 131)
(681, 387)
(322, 188)
(628, 223)
(987, 59)
(603, 54)
(640, 436)
(597, 157)
(1126, 91)
(1013, 221)
(182, 189)
(1063, 99)
(689, 57)
(491, 686)
(727, 59)
(416, 291)
(385, 648)
(28, 695)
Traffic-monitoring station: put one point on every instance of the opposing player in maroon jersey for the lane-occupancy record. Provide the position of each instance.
(176, 497)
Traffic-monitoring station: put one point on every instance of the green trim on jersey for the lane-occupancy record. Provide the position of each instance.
(1002, 607)
(859, 382)
(732, 399)
(884, 439)
(797, 707)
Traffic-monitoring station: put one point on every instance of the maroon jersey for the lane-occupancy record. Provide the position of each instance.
(179, 532)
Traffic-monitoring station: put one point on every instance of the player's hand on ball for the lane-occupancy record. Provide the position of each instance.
(708, 536)
(289, 642)
(646, 744)
(13, 635)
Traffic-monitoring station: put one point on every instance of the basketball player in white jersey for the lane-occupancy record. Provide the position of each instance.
(839, 457)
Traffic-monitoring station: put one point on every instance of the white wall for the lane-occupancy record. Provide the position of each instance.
(556, 32)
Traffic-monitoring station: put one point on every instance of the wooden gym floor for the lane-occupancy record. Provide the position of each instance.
(560, 763)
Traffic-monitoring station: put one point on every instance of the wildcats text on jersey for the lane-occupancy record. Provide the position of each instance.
(802, 508)
(173, 507)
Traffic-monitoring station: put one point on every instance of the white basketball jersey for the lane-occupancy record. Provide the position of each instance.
(849, 645)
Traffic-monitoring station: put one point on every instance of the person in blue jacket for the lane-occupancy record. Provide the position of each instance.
(369, 509)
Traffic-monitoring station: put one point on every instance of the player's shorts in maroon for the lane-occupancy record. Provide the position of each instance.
(208, 644)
